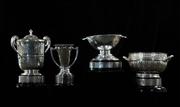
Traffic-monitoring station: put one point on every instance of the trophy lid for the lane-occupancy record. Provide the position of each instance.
(31, 37)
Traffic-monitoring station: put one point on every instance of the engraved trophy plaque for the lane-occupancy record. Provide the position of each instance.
(64, 51)
(148, 67)
(104, 43)
(30, 52)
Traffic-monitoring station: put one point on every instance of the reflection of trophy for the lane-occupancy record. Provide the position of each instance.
(64, 53)
(148, 67)
(104, 43)
(30, 51)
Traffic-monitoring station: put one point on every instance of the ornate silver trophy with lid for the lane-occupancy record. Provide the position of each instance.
(104, 43)
(30, 52)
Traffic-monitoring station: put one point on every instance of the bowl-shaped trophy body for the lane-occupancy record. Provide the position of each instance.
(148, 66)
(104, 43)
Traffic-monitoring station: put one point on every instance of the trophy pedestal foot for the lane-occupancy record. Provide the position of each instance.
(105, 65)
(64, 78)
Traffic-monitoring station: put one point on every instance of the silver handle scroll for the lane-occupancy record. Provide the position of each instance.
(52, 56)
(47, 43)
(168, 58)
(77, 52)
(14, 43)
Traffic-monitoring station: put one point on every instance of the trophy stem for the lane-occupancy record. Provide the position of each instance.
(105, 53)
(64, 78)
(105, 60)
(31, 72)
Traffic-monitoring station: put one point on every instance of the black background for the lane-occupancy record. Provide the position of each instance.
(149, 25)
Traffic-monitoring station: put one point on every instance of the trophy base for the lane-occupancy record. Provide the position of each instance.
(149, 83)
(30, 85)
(31, 79)
(64, 80)
(105, 64)
(151, 89)
(145, 79)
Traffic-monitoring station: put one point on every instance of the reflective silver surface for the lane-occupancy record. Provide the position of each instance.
(30, 51)
(64, 77)
(148, 62)
(148, 66)
(104, 43)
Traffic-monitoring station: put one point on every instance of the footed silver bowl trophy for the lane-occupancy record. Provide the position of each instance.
(148, 66)
(64, 77)
(104, 43)
(30, 52)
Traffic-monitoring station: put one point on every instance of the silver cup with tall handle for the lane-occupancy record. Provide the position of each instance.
(30, 52)
(64, 51)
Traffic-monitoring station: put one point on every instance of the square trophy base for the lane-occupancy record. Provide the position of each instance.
(105, 65)
(30, 81)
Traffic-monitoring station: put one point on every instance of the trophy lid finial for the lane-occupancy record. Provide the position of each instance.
(31, 36)
(30, 32)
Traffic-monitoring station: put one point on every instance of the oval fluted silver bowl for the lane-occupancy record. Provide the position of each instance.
(109, 40)
(148, 62)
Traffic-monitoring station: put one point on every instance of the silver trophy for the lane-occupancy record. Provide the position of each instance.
(148, 66)
(30, 52)
(104, 43)
(64, 51)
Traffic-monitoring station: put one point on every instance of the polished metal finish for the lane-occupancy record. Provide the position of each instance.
(64, 77)
(104, 43)
(30, 52)
(148, 62)
(149, 82)
(145, 79)
(105, 64)
(148, 66)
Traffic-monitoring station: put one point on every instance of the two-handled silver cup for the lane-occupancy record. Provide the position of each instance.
(148, 66)
(64, 77)
(30, 52)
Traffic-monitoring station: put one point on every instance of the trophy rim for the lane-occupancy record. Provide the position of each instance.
(145, 53)
(145, 56)
(119, 35)
(62, 45)
(27, 40)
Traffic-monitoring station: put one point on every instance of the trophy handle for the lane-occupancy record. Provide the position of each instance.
(168, 58)
(47, 43)
(84, 38)
(124, 57)
(51, 51)
(77, 52)
(14, 44)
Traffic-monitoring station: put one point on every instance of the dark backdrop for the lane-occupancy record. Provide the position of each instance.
(149, 25)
